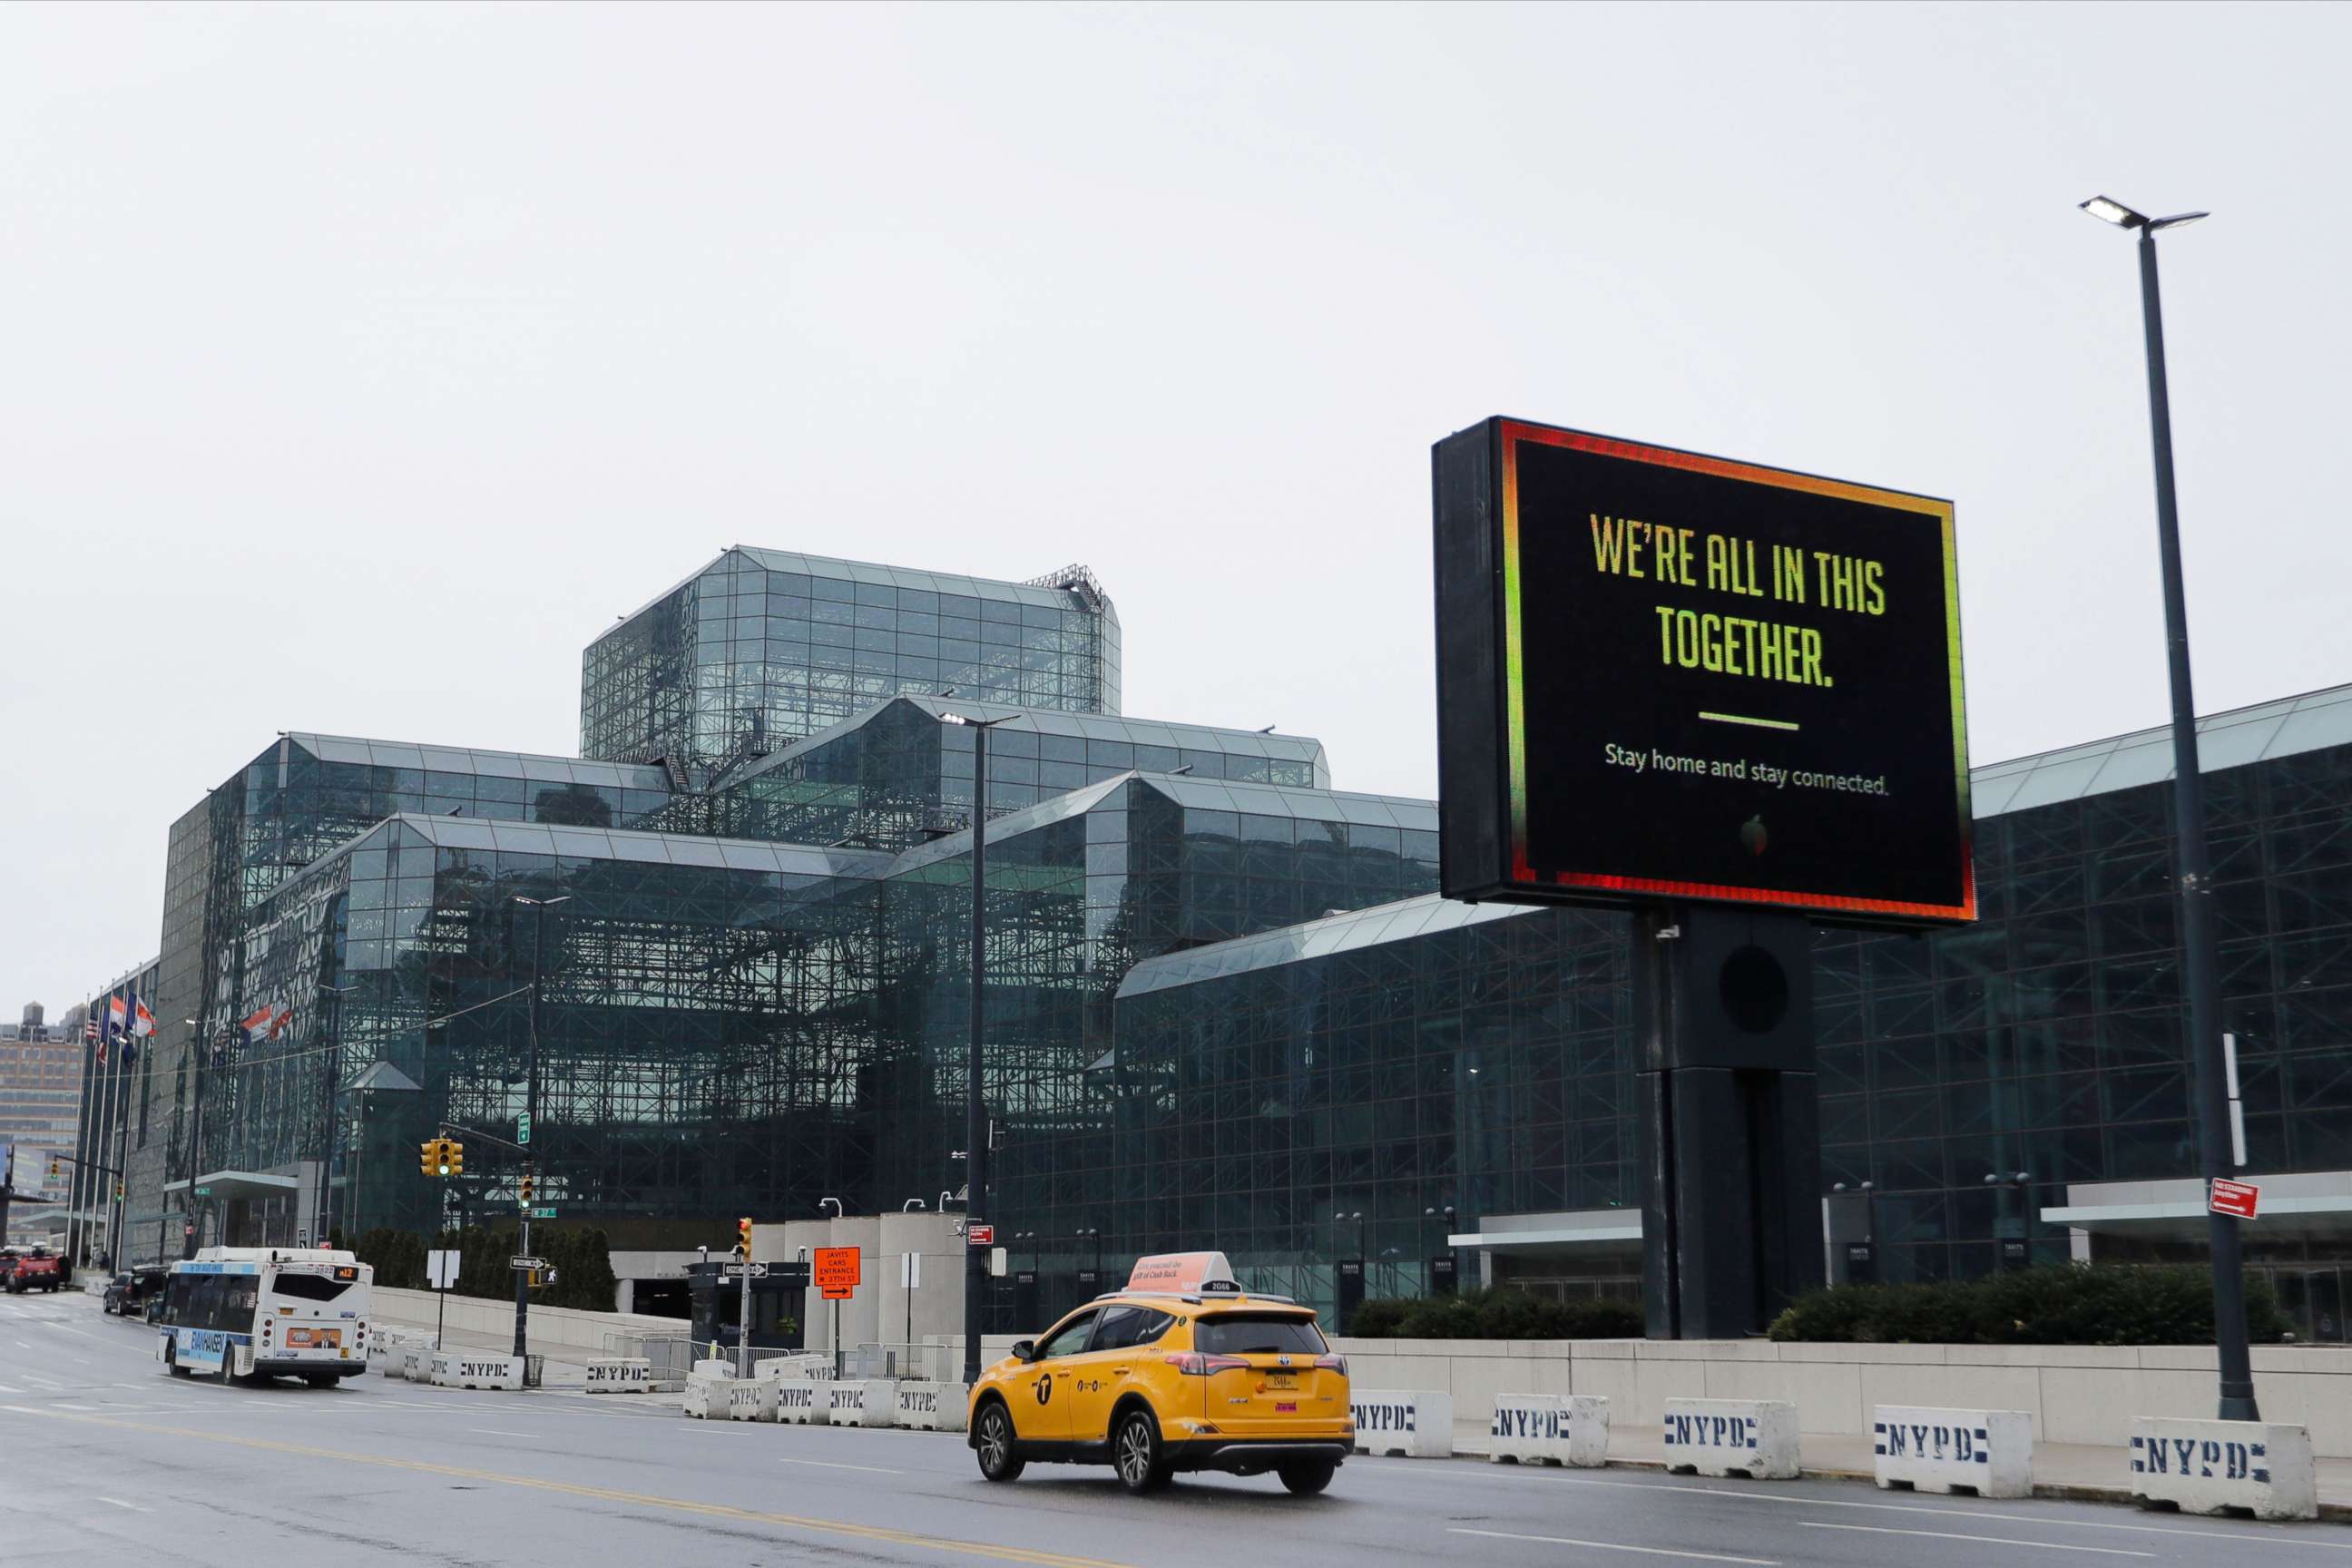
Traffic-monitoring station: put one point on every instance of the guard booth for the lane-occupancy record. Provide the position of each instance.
(718, 1298)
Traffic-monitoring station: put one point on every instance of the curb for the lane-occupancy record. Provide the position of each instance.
(2054, 1491)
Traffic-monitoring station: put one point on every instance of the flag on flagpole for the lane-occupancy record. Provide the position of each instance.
(282, 1021)
(258, 1023)
(142, 1022)
(89, 1030)
(116, 1014)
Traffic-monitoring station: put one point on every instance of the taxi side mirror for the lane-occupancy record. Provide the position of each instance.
(1027, 1350)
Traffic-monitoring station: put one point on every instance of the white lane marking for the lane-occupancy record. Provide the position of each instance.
(500, 1432)
(1613, 1546)
(5, 1389)
(1980, 1539)
(2263, 1540)
(829, 1465)
(131, 1505)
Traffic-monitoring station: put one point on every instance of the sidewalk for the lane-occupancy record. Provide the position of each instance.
(561, 1366)
(2078, 1470)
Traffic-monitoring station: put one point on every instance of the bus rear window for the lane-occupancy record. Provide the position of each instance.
(308, 1287)
(1257, 1333)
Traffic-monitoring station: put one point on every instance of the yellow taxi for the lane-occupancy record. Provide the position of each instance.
(1181, 1371)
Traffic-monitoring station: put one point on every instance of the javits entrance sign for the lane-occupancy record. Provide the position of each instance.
(1662, 675)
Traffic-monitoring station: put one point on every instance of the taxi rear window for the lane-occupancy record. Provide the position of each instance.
(1257, 1333)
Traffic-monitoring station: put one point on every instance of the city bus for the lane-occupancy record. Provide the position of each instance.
(254, 1312)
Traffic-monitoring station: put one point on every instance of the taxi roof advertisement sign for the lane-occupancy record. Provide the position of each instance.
(1662, 675)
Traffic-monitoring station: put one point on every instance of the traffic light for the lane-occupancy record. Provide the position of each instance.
(429, 1156)
(455, 1158)
(530, 1185)
(442, 1148)
(743, 1240)
(54, 1171)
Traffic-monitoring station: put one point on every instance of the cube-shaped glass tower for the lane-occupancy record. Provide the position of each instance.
(763, 647)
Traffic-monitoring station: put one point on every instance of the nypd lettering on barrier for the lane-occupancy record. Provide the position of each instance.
(1752, 1437)
(928, 1407)
(803, 1402)
(455, 1369)
(864, 1401)
(2207, 1467)
(626, 1375)
(1549, 1429)
(1417, 1424)
(1986, 1452)
(752, 1399)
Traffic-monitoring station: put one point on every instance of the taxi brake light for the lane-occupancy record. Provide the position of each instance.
(1192, 1364)
(1338, 1363)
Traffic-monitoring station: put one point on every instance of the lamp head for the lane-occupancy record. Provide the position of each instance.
(2106, 209)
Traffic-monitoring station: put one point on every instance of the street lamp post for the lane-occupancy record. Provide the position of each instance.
(538, 908)
(975, 1112)
(2194, 864)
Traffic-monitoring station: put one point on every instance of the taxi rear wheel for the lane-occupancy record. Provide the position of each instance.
(999, 1461)
(1307, 1477)
(1135, 1453)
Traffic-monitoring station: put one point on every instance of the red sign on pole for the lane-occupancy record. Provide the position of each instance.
(835, 1270)
(980, 1234)
(2234, 1197)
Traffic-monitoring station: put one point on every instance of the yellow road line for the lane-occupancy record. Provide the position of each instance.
(604, 1494)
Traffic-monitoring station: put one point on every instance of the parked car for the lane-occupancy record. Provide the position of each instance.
(135, 1292)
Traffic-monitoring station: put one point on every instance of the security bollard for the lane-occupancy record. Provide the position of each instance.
(625, 1374)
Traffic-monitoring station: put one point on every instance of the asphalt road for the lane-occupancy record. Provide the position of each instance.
(101, 1452)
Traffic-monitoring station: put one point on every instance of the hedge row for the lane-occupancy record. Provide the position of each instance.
(581, 1258)
(1496, 1314)
(2054, 1304)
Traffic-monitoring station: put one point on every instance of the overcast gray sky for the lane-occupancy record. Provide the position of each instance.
(357, 365)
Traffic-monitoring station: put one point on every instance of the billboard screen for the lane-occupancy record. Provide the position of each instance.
(1667, 675)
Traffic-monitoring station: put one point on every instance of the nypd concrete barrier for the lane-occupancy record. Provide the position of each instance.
(1987, 1452)
(416, 1362)
(932, 1406)
(752, 1399)
(1415, 1423)
(2214, 1466)
(1752, 1438)
(802, 1401)
(1549, 1429)
(705, 1398)
(806, 1367)
(622, 1374)
(460, 1369)
(864, 1401)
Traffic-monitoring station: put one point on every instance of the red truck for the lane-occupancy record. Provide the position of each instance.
(36, 1270)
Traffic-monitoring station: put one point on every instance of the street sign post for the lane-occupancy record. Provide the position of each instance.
(544, 1211)
(526, 1265)
(2239, 1198)
(835, 1271)
(746, 1270)
(522, 1127)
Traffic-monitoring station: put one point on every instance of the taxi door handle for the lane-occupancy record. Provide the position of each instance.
(1118, 1371)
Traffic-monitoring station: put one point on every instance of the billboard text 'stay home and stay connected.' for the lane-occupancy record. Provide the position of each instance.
(1669, 676)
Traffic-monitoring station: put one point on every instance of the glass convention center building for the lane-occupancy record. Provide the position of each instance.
(1225, 1005)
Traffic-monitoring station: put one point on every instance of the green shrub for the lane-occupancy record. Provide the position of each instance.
(2054, 1304)
(1496, 1314)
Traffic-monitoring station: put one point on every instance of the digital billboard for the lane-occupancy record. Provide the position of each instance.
(1666, 675)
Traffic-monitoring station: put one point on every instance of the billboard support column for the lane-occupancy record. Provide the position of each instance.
(1728, 1120)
